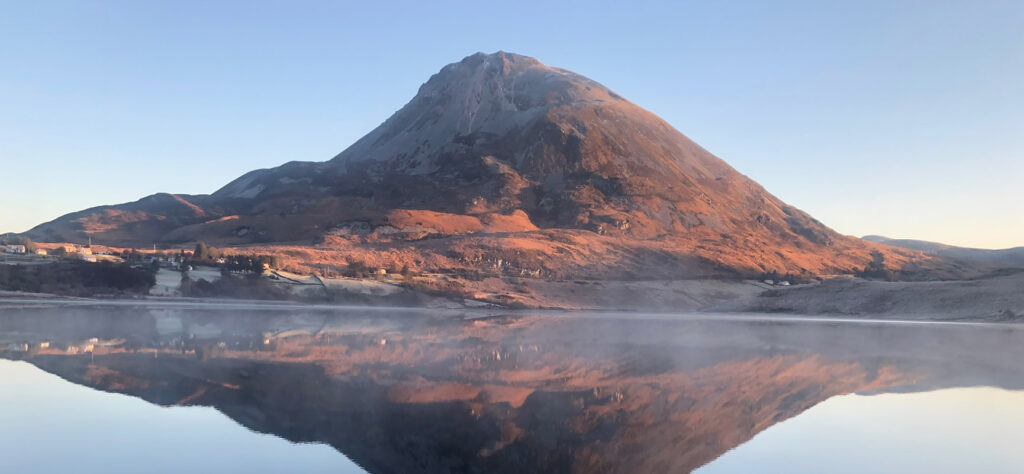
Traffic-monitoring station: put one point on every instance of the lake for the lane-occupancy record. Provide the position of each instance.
(176, 387)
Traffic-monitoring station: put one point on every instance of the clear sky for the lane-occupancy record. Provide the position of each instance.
(901, 118)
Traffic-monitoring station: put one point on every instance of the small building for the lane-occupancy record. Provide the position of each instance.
(85, 251)
(15, 249)
(88, 258)
(381, 272)
(41, 252)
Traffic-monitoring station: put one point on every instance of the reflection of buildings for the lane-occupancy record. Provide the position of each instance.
(499, 394)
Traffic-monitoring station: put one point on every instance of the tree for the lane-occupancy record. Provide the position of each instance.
(206, 252)
(202, 251)
(186, 284)
(358, 268)
(876, 268)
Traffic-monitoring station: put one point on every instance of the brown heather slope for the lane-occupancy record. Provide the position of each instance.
(505, 166)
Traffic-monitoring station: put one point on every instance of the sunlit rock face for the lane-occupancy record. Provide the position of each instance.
(418, 391)
(502, 152)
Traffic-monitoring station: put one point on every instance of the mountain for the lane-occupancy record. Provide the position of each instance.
(1011, 256)
(501, 165)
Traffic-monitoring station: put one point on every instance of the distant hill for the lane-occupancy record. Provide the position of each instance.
(1012, 256)
(503, 166)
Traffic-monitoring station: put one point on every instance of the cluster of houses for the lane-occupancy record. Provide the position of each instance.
(181, 260)
(22, 250)
(82, 253)
(83, 347)
(74, 251)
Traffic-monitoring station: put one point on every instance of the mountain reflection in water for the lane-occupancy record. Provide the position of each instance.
(420, 391)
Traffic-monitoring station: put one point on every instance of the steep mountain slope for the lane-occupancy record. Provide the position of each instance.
(1011, 256)
(503, 164)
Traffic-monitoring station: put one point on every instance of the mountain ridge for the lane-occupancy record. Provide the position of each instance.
(1008, 256)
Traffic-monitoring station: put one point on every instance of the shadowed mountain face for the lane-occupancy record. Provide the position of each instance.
(503, 152)
(407, 391)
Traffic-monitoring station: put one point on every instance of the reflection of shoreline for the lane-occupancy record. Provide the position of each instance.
(396, 389)
(179, 303)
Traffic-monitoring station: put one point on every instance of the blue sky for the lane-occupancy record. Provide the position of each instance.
(901, 118)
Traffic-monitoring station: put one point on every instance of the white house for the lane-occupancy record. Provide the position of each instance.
(15, 249)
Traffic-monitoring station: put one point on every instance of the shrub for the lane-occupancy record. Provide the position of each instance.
(876, 268)
(77, 278)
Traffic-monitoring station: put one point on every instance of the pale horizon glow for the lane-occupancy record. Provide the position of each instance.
(98, 431)
(896, 118)
(964, 429)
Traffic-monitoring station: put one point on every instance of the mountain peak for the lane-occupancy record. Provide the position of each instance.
(499, 61)
(488, 94)
(501, 144)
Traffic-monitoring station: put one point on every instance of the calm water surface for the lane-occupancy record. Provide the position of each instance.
(192, 388)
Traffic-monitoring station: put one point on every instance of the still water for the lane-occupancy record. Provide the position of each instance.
(226, 388)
